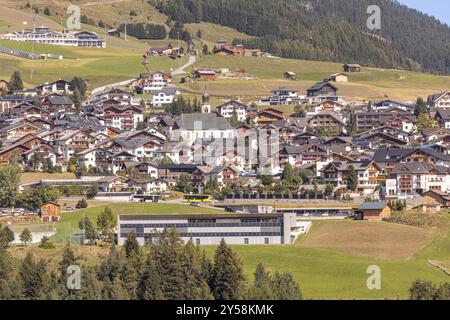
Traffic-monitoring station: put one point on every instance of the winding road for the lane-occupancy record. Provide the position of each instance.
(179, 70)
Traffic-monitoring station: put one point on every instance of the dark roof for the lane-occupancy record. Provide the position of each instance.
(319, 85)
(373, 205)
(203, 121)
(59, 100)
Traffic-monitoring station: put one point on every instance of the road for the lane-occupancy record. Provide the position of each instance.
(99, 90)
(180, 70)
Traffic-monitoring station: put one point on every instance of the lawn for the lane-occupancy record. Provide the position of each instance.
(69, 221)
(332, 274)
(28, 177)
(371, 83)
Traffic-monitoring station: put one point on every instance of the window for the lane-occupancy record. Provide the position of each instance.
(246, 241)
(266, 240)
(197, 241)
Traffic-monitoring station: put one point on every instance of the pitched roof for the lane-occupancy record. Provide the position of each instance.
(373, 205)
(202, 121)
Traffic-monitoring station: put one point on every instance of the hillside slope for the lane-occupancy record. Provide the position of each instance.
(329, 30)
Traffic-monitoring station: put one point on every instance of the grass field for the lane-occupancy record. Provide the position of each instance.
(334, 274)
(371, 83)
(329, 263)
(69, 221)
(27, 177)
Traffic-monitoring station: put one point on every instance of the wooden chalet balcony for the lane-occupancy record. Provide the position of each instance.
(405, 179)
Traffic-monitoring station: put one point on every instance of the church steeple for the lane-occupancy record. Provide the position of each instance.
(206, 106)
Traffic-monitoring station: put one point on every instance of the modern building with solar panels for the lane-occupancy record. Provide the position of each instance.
(210, 229)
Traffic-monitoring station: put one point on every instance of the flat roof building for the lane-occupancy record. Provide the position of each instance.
(210, 229)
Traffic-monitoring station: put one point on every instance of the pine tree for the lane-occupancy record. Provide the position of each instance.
(288, 173)
(228, 278)
(15, 83)
(261, 289)
(284, 287)
(106, 222)
(352, 180)
(112, 266)
(169, 265)
(86, 225)
(131, 245)
(33, 276)
(149, 284)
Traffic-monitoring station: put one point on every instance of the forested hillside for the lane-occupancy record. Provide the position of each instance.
(328, 30)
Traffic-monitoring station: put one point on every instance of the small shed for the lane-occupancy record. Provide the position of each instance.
(204, 75)
(289, 75)
(50, 211)
(349, 67)
(373, 211)
(338, 77)
(434, 201)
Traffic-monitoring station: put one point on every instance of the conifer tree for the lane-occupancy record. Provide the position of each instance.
(228, 278)
(284, 287)
(131, 245)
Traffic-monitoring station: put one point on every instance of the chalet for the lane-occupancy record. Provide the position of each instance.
(282, 96)
(228, 50)
(12, 152)
(439, 100)
(338, 77)
(389, 157)
(172, 172)
(204, 74)
(42, 153)
(298, 156)
(415, 178)
(96, 157)
(123, 118)
(50, 212)
(352, 67)
(57, 103)
(326, 105)
(443, 118)
(434, 135)
(369, 120)
(388, 105)
(7, 102)
(18, 129)
(269, 116)
(148, 185)
(322, 89)
(233, 107)
(373, 211)
(28, 111)
(164, 97)
(368, 173)
(70, 142)
(223, 175)
(330, 121)
(150, 82)
(112, 184)
(113, 96)
(434, 201)
(58, 87)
